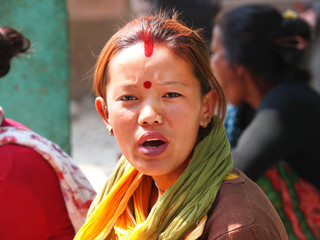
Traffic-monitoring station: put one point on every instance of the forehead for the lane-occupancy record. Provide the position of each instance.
(134, 58)
(127, 54)
(138, 51)
(216, 37)
(131, 64)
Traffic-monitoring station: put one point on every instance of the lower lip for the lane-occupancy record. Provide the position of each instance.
(152, 151)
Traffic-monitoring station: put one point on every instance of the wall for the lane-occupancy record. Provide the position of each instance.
(36, 90)
(92, 23)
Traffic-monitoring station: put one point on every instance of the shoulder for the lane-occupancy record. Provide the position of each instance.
(24, 159)
(33, 187)
(291, 97)
(242, 211)
(290, 110)
(26, 169)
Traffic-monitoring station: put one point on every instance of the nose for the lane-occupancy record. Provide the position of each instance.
(150, 115)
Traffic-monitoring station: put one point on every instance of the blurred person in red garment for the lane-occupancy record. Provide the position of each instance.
(43, 194)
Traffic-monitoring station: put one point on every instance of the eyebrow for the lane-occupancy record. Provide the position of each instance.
(129, 85)
(128, 82)
(173, 83)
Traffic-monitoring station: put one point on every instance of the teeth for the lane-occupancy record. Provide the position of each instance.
(152, 140)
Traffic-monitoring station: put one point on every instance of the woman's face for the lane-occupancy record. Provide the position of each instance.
(155, 108)
(225, 71)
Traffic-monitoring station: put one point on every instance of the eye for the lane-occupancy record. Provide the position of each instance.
(172, 95)
(127, 98)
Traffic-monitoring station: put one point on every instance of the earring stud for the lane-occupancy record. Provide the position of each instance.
(207, 121)
(110, 130)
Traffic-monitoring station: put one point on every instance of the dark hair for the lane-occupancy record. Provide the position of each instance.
(11, 44)
(269, 45)
(168, 31)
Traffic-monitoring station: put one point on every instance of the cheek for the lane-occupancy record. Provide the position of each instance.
(230, 90)
(239, 94)
(214, 64)
(124, 127)
(184, 115)
(219, 68)
(121, 119)
(224, 74)
(234, 93)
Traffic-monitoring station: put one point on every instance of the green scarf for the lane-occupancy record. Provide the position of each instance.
(192, 195)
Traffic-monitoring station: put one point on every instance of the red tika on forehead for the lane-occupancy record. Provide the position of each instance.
(147, 84)
(148, 43)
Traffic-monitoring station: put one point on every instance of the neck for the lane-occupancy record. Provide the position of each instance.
(159, 189)
(155, 195)
(163, 182)
(256, 90)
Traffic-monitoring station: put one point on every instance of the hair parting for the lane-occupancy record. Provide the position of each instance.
(148, 43)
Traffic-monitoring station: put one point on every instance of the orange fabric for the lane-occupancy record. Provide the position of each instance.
(124, 216)
(121, 211)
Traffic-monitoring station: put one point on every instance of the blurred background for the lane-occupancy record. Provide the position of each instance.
(50, 89)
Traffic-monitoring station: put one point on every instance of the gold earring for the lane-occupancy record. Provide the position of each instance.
(207, 121)
(205, 124)
(110, 130)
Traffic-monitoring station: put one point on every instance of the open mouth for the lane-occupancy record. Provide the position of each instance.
(153, 143)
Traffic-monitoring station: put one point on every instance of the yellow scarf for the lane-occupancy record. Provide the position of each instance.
(121, 210)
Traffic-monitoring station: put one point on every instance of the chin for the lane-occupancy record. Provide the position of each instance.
(152, 171)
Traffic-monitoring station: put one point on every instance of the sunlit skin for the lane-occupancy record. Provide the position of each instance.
(169, 112)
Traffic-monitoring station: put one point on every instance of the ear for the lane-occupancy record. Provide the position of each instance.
(244, 75)
(102, 110)
(239, 70)
(209, 103)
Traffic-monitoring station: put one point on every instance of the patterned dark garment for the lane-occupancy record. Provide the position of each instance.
(296, 201)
